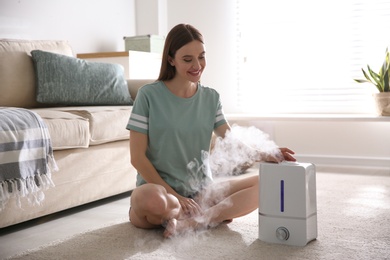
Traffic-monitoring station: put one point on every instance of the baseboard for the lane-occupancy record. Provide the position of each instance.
(348, 164)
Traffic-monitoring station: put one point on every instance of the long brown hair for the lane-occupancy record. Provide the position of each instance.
(179, 36)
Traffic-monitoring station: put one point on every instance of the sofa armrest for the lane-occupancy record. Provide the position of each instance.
(135, 84)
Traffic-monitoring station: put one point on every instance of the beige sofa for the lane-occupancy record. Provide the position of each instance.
(90, 143)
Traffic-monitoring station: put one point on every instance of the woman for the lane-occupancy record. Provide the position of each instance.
(171, 124)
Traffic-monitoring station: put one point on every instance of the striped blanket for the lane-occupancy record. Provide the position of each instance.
(26, 156)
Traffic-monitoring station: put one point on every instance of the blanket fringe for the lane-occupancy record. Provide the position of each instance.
(30, 188)
(13, 180)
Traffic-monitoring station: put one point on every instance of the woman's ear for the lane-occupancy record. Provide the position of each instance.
(170, 61)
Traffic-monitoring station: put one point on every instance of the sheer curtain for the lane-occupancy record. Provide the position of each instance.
(301, 56)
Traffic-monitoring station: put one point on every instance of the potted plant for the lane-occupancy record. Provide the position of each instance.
(381, 82)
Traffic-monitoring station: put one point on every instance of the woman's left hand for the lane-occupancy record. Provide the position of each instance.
(189, 206)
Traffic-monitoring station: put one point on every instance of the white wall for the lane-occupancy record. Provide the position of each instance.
(89, 25)
(332, 143)
(99, 25)
(349, 143)
(216, 20)
(151, 17)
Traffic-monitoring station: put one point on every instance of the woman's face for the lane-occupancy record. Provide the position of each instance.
(190, 61)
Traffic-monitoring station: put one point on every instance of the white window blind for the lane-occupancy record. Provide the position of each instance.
(302, 56)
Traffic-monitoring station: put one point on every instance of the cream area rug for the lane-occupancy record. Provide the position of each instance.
(353, 223)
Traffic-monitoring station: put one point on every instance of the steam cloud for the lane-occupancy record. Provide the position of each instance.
(241, 147)
(231, 155)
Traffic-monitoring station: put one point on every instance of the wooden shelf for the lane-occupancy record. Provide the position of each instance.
(103, 55)
(136, 64)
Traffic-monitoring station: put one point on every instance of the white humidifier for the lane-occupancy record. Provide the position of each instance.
(288, 203)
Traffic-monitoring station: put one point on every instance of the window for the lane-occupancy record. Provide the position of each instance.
(301, 56)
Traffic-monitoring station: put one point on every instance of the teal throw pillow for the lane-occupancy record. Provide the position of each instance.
(65, 80)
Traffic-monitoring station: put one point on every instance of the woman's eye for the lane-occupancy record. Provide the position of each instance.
(186, 60)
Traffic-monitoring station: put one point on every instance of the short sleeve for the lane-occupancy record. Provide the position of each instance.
(219, 115)
(139, 118)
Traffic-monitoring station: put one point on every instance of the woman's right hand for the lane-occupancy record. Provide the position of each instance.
(190, 207)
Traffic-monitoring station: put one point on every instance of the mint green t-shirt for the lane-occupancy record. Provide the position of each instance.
(178, 130)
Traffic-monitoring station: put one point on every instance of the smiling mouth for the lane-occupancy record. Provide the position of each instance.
(195, 73)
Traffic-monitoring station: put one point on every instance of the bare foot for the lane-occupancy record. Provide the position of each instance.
(170, 228)
(176, 227)
(228, 221)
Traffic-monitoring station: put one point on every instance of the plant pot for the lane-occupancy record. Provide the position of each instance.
(382, 103)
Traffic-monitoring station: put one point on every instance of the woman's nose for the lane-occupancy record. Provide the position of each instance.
(196, 64)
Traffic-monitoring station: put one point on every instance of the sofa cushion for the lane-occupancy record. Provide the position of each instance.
(135, 84)
(67, 80)
(66, 130)
(17, 77)
(106, 123)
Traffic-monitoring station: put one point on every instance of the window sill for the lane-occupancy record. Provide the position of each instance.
(308, 117)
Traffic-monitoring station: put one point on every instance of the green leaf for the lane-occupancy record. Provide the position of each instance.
(380, 79)
(386, 67)
(376, 78)
(386, 81)
(362, 81)
(367, 77)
